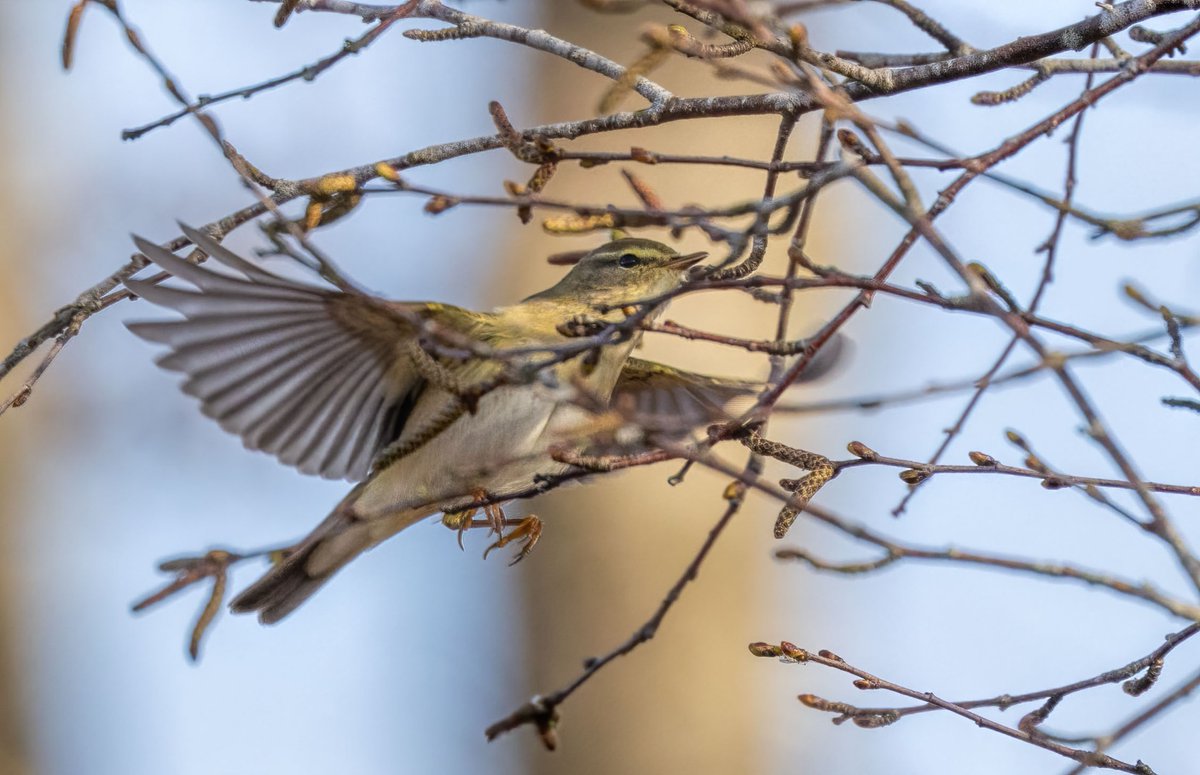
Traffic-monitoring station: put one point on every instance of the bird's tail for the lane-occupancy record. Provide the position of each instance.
(336, 541)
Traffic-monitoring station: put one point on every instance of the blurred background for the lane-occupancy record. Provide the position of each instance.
(400, 664)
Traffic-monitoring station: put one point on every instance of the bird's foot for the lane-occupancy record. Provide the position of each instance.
(527, 530)
(464, 520)
(459, 521)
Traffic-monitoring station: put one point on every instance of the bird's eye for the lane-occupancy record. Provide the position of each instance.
(627, 260)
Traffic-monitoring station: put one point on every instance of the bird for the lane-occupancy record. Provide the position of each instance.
(429, 408)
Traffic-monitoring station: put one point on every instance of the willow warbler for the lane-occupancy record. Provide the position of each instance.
(422, 404)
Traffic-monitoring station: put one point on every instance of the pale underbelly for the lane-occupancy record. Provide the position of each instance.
(501, 447)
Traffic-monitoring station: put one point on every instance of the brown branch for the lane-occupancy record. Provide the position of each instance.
(895, 550)
(1050, 247)
(676, 109)
(307, 74)
(1051, 480)
(791, 654)
(385, 16)
(542, 710)
(1103, 743)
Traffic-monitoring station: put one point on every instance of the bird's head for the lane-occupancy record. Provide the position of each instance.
(625, 271)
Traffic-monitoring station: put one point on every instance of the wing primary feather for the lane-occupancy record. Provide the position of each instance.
(305, 441)
(208, 280)
(263, 431)
(202, 358)
(191, 303)
(199, 329)
(259, 371)
(347, 424)
(259, 430)
(227, 257)
(321, 423)
(312, 375)
(361, 452)
(169, 261)
(337, 416)
(291, 418)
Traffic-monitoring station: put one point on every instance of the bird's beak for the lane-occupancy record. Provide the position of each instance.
(683, 262)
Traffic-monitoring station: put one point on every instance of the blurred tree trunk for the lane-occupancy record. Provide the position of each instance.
(689, 701)
(14, 749)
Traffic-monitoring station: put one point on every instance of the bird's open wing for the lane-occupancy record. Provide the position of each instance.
(319, 378)
(664, 398)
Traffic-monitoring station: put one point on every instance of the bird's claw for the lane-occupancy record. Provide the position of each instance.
(528, 530)
(494, 515)
(462, 521)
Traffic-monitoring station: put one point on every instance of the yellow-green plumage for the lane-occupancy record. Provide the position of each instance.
(346, 385)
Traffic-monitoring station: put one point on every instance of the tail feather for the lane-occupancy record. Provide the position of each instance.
(340, 538)
(291, 581)
(284, 594)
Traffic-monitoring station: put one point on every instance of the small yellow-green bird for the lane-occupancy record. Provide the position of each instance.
(347, 385)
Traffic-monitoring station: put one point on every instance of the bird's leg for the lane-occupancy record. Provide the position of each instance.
(529, 530)
(493, 518)
(463, 520)
(460, 521)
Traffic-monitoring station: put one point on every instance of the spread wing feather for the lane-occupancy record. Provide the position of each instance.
(674, 401)
(316, 377)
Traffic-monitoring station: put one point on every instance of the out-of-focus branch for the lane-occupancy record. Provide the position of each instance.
(1107, 741)
(542, 711)
(1148, 667)
(792, 654)
(1050, 247)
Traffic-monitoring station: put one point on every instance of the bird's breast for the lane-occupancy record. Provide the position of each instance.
(498, 447)
(502, 445)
